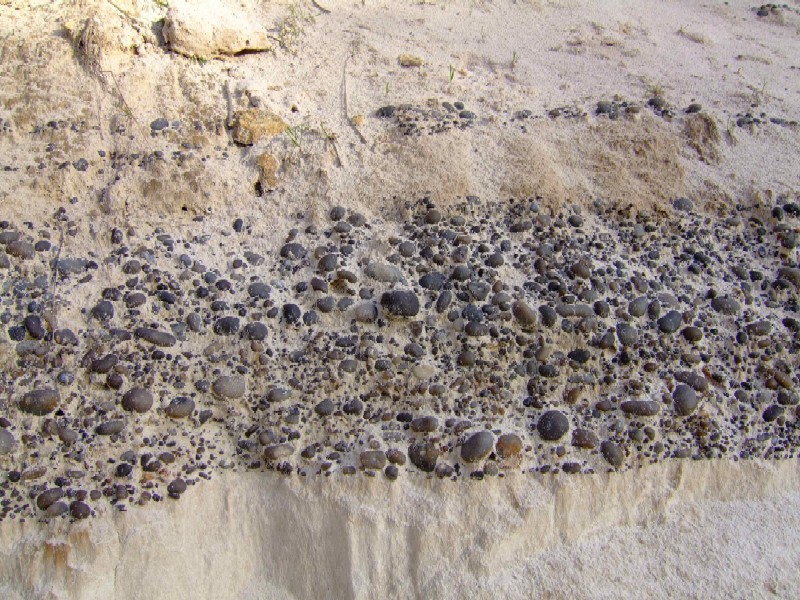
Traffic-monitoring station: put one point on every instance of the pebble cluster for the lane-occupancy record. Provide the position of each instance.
(475, 341)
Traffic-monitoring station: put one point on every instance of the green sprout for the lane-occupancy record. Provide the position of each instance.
(295, 135)
(452, 73)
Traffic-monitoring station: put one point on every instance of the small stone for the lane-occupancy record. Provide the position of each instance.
(39, 402)
(641, 408)
(373, 459)
(400, 303)
(682, 204)
(425, 424)
(508, 445)
(325, 408)
(612, 453)
(138, 400)
(56, 509)
(180, 408)
(112, 427)
(384, 273)
(477, 446)
(259, 290)
(692, 334)
(253, 125)
(226, 326)
(176, 487)
(278, 452)
(552, 425)
(627, 334)
(7, 442)
(79, 510)
(726, 305)
(21, 249)
(157, 338)
(424, 456)
(523, 313)
(685, 399)
(772, 412)
(229, 387)
(103, 311)
(670, 322)
(583, 438)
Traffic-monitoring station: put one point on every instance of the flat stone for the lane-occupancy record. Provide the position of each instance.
(21, 249)
(212, 28)
(79, 510)
(425, 424)
(154, 336)
(110, 427)
(229, 387)
(641, 408)
(384, 273)
(7, 442)
(726, 305)
(39, 402)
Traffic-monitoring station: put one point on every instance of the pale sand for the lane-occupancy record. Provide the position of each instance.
(682, 530)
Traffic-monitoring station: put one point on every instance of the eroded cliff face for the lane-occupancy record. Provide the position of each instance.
(157, 159)
(685, 529)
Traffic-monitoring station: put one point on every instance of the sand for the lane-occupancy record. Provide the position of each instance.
(679, 529)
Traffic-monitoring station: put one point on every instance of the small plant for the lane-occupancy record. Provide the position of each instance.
(329, 135)
(452, 73)
(291, 29)
(514, 58)
(655, 90)
(387, 88)
(730, 131)
(295, 135)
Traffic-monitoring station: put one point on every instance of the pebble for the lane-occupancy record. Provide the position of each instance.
(523, 313)
(726, 305)
(477, 446)
(552, 425)
(138, 400)
(7, 442)
(400, 303)
(79, 510)
(229, 387)
(508, 445)
(612, 453)
(641, 408)
(372, 459)
(424, 456)
(39, 402)
(583, 438)
(156, 337)
(627, 334)
(685, 400)
(112, 427)
(180, 407)
(670, 322)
